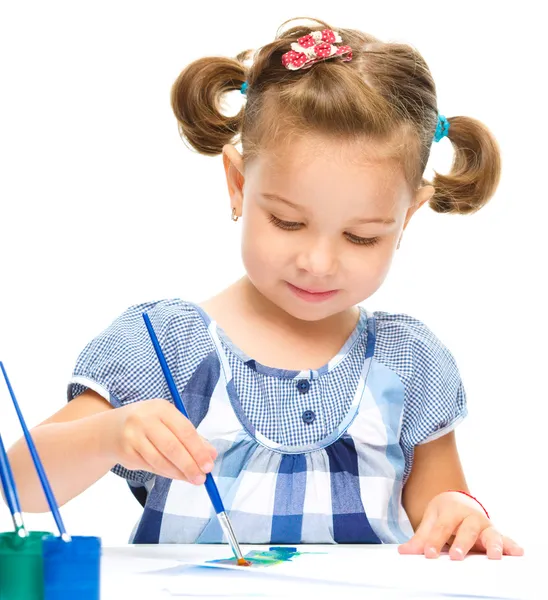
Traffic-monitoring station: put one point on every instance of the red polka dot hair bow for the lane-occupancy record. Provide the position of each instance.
(314, 47)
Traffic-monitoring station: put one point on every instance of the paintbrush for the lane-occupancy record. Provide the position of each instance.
(38, 464)
(10, 492)
(210, 484)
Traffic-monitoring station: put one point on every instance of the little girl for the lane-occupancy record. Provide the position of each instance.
(320, 421)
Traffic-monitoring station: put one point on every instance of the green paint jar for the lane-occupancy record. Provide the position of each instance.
(21, 566)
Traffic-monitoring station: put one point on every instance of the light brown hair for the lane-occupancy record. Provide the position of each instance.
(386, 93)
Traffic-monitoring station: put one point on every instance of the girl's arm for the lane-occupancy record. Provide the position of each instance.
(85, 439)
(436, 469)
(73, 449)
(442, 516)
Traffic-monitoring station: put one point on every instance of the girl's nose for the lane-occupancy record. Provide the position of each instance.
(318, 258)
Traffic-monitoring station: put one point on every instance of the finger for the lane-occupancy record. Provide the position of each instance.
(511, 548)
(416, 544)
(440, 533)
(186, 433)
(210, 447)
(468, 533)
(173, 450)
(491, 542)
(156, 462)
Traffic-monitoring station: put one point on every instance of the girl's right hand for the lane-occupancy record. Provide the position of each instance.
(153, 435)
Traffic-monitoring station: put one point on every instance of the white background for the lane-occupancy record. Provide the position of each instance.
(102, 206)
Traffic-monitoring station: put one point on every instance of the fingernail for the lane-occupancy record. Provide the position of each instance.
(433, 553)
(497, 551)
(207, 467)
(459, 553)
(199, 479)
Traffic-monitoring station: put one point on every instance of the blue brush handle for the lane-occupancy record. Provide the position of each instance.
(210, 485)
(37, 462)
(8, 482)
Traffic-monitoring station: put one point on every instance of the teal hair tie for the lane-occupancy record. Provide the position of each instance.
(244, 87)
(442, 128)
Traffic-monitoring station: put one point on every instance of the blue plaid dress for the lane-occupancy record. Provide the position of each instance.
(317, 456)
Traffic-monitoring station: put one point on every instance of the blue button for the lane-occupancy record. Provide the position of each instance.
(308, 417)
(303, 386)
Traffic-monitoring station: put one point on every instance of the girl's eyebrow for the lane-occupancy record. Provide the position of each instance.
(276, 198)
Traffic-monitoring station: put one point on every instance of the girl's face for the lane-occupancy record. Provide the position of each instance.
(321, 222)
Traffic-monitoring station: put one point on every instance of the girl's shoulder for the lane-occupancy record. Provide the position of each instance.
(404, 339)
(122, 354)
(176, 322)
(165, 310)
(170, 318)
(434, 394)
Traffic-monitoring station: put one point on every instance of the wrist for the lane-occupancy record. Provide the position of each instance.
(473, 498)
(106, 440)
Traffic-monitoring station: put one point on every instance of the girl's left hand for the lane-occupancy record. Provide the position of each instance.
(453, 513)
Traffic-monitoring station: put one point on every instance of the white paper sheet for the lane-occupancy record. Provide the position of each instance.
(372, 572)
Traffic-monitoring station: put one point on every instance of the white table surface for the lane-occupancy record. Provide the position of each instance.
(344, 571)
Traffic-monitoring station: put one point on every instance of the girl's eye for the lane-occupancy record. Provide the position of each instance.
(294, 226)
(361, 241)
(289, 225)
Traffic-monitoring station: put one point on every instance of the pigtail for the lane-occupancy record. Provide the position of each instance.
(385, 93)
(475, 172)
(197, 101)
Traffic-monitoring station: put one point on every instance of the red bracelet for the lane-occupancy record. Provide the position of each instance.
(469, 496)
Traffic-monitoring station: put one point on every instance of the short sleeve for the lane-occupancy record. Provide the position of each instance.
(117, 362)
(434, 396)
(120, 364)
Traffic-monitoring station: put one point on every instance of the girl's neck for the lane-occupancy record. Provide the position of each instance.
(268, 334)
(242, 299)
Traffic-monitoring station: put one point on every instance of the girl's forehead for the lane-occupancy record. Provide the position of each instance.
(317, 166)
(298, 153)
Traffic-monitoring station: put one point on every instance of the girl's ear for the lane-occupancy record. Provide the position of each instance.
(234, 171)
(422, 195)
